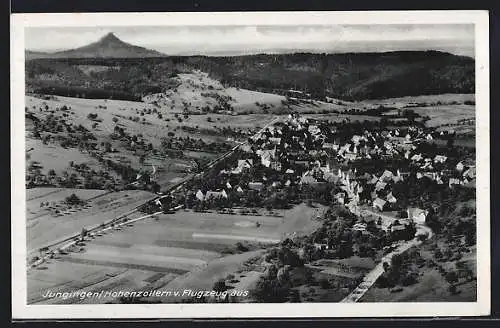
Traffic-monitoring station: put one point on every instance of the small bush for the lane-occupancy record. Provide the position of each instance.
(324, 283)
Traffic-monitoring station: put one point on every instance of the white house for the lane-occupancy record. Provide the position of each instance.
(215, 194)
(200, 195)
(359, 227)
(275, 141)
(379, 204)
(440, 159)
(416, 157)
(380, 185)
(417, 215)
(391, 198)
(397, 227)
(356, 139)
(386, 176)
(470, 173)
(453, 181)
(307, 179)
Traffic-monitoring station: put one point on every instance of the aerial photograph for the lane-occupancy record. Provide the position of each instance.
(250, 164)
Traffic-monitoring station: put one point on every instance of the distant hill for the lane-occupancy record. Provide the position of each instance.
(348, 76)
(109, 46)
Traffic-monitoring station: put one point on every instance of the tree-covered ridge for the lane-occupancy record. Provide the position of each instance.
(349, 76)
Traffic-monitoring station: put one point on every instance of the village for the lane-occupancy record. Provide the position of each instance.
(375, 188)
(370, 172)
(396, 184)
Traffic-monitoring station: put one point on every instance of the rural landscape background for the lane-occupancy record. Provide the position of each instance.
(272, 171)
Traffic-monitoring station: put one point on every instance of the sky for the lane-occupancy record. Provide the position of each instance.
(237, 40)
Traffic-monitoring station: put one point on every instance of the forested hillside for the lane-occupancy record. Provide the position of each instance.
(349, 76)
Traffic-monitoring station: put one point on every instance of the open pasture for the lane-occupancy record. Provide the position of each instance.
(55, 198)
(52, 156)
(447, 98)
(46, 228)
(448, 114)
(134, 117)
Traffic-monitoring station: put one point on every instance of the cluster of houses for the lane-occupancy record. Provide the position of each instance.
(303, 152)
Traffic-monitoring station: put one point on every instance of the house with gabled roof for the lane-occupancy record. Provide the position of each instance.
(215, 194)
(390, 198)
(417, 157)
(386, 176)
(416, 214)
(379, 204)
(440, 159)
(373, 180)
(470, 173)
(275, 140)
(359, 227)
(199, 195)
(397, 227)
(307, 179)
(380, 185)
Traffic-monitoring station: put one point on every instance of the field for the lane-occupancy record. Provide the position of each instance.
(198, 90)
(447, 98)
(185, 250)
(57, 158)
(53, 156)
(36, 196)
(58, 220)
(446, 114)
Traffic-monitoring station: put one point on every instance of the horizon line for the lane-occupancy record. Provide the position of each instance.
(215, 54)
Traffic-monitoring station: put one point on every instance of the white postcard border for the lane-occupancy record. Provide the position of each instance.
(20, 309)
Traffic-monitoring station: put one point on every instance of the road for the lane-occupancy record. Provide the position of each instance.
(376, 272)
(70, 240)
